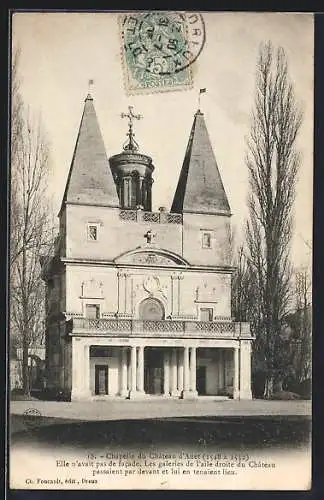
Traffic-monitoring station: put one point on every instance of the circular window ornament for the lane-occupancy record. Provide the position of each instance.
(151, 284)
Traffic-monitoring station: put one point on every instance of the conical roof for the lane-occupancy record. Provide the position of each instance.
(90, 180)
(200, 188)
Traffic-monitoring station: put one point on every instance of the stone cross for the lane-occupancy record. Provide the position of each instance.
(149, 236)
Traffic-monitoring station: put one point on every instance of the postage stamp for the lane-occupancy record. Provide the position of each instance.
(158, 50)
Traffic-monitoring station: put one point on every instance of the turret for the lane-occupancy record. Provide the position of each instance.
(132, 172)
(90, 180)
(201, 199)
(200, 188)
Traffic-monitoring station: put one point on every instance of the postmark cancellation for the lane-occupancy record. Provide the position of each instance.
(158, 50)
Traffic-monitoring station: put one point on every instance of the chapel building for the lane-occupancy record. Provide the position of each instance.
(139, 302)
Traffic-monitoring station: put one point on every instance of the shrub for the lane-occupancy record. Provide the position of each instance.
(285, 396)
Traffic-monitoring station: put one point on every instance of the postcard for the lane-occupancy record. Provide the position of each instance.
(160, 250)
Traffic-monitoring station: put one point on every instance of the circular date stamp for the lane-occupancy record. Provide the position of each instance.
(32, 418)
(159, 47)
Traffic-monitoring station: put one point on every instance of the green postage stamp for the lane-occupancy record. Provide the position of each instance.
(158, 50)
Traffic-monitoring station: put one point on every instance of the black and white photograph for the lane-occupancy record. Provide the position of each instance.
(160, 259)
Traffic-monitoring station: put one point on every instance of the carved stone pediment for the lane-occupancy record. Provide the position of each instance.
(151, 257)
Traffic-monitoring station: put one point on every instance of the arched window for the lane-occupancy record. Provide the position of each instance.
(151, 309)
(134, 195)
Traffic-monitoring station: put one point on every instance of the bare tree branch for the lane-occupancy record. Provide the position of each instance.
(273, 162)
(31, 233)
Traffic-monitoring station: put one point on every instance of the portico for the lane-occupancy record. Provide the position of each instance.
(141, 367)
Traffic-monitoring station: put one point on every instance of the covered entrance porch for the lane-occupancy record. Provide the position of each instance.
(138, 371)
(170, 371)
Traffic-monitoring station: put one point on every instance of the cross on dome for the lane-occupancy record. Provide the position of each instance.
(131, 144)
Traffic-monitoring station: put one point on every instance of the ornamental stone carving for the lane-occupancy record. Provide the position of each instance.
(206, 293)
(151, 258)
(92, 289)
(151, 284)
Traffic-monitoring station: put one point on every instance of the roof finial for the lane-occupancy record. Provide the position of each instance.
(90, 83)
(201, 91)
(131, 144)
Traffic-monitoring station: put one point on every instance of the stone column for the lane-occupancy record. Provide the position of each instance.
(132, 392)
(149, 183)
(245, 370)
(140, 370)
(174, 277)
(121, 292)
(123, 372)
(86, 373)
(166, 374)
(186, 374)
(180, 370)
(127, 192)
(121, 193)
(180, 278)
(193, 368)
(174, 373)
(139, 214)
(129, 370)
(128, 293)
(236, 389)
(80, 370)
(220, 370)
(139, 194)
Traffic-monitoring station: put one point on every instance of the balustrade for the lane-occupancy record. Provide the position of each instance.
(156, 328)
(151, 217)
(128, 215)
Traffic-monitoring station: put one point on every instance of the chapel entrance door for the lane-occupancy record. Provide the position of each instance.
(101, 379)
(153, 375)
(201, 380)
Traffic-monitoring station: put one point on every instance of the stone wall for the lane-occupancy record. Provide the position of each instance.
(182, 293)
(219, 253)
(117, 233)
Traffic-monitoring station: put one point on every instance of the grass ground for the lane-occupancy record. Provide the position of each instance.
(53, 412)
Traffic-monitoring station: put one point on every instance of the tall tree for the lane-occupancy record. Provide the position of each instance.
(273, 162)
(242, 293)
(16, 132)
(303, 324)
(31, 232)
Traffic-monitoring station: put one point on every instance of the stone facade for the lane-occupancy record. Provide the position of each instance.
(139, 302)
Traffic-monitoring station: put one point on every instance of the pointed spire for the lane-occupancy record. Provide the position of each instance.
(200, 188)
(90, 179)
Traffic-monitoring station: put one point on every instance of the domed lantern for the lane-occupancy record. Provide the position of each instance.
(132, 171)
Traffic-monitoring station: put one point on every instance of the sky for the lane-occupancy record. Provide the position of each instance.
(60, 52)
